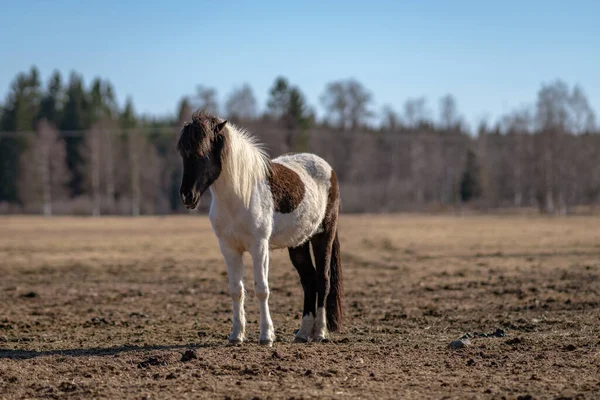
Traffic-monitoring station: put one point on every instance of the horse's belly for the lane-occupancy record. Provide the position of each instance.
(293, 229)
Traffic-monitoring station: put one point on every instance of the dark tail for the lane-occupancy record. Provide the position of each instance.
(335, 298)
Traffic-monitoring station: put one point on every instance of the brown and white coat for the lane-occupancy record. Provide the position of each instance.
(259, 204)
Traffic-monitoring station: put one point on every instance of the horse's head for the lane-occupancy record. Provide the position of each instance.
(200, 145)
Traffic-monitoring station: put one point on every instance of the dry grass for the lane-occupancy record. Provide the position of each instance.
(104, 308)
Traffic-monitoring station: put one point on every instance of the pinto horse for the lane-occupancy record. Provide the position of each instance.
(260, 204)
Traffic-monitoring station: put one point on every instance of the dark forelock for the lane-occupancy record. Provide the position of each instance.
(197, 136)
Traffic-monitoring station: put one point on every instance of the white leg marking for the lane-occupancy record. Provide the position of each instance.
(235, 273)
(306, 329)
(320, 326)
(260, 260)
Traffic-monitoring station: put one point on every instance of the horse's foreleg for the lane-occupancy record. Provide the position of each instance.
(235, 273)
(260, 260)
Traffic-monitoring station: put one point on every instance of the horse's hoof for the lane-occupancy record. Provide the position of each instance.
(266, 342)
(298, 339)
(235, 342)
(320, 339)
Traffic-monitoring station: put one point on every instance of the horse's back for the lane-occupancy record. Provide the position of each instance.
(308, 163)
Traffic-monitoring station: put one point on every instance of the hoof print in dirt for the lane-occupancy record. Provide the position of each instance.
(152, 361)
(67, 387)
(189, 355)
(515, 341)
(570, 347)
(498, 333)
(525, 397)
(459, 344)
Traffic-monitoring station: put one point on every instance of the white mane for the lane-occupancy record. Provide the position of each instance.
(245, 162)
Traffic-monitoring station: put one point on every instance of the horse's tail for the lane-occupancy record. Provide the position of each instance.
(335, 298)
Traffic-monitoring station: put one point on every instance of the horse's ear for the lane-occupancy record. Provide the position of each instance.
(221, 126)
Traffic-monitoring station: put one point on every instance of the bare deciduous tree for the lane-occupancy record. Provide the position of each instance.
(44, 174)
(133, 142)
(518, 125)
(559, 112)
(108, 131)
(582, 115)
(92, 149)
(449, 118)
(241, 104)
(390, 120)
(416, 112)
(206, 98)
(347, 104)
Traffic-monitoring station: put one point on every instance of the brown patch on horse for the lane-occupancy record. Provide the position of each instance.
(286, 187)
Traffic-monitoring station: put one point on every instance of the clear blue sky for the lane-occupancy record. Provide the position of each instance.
(493, 56)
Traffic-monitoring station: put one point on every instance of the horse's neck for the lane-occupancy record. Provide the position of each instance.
(223, 193)
(241, 176)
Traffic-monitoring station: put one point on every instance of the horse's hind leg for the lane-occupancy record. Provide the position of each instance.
(302, 261)
(322, 244)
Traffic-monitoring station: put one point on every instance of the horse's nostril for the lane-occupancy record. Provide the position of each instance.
(188, 198)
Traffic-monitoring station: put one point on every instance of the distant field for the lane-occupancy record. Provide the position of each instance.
(104, 308)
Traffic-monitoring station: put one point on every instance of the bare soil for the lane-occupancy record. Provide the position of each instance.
(138, 308)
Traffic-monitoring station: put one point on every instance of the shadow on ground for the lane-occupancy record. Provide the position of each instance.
(89, 352)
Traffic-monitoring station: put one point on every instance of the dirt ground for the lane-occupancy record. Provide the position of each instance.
(105, 308)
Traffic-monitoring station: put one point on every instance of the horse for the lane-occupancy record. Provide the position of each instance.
(259, 204)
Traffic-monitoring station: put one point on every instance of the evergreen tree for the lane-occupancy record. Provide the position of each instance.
(135, 144)
(52, 101)
(96, 106)
(128, 119)
(75, 119)
(184, 110)
(298, 115)
(74, 116)
(18, 114)
(278, 98)
(101, 102)
(287, 104)
(173, 175)
(470, 187)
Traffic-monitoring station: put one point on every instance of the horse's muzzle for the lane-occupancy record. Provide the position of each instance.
(190, 201)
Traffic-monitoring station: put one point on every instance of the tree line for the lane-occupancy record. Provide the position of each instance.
(68, 147)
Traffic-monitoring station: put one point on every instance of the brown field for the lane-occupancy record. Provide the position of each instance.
(104, 308)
